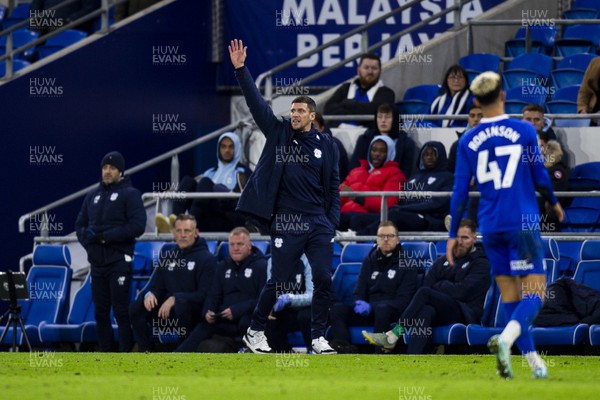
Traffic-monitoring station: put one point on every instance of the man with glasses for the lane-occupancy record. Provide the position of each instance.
(385, 285)
(450, 294)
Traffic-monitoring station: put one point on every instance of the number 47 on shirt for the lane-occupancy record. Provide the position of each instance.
(490, 170)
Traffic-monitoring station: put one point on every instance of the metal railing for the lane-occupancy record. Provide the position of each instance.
(267, 75)
(174, 153)
(517, 22)
(10, 53)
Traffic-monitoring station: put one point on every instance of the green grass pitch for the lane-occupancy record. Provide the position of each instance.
(164, 376)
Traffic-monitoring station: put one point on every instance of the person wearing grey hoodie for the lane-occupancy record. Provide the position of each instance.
(213, 215)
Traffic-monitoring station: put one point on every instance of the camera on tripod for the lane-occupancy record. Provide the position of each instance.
(13, 287)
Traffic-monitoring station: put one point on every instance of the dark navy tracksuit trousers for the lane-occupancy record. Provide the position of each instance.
(291, 235)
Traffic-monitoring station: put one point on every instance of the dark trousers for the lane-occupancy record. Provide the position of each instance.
(288, 320)
(182, 319)
(343, 316)
(427, 309)
(313, 236)
(212, 215)
(204, 331)
(111, 287)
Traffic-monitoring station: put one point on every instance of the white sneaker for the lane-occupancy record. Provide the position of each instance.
(256, 342)
(321, 346)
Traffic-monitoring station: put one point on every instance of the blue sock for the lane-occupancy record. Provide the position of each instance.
(525, 313)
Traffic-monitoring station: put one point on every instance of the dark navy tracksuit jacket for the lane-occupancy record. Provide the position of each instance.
(295, 186)
(186, 274)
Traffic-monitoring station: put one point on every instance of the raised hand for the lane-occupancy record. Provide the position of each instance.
(237, 53)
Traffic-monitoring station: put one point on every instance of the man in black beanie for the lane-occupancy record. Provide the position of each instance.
(111, 217)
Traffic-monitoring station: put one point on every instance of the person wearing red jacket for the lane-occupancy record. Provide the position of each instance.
(378, 173)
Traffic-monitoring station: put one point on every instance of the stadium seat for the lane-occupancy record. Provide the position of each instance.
(582, 215)
(540, 63)
(578, 39)
(440, 247)
(337, 254)
(565, 107)
(588, 269)
(581, 13)
(60, 41)
(49, 288)
(17, 65)
(420, 255)
(344, 280)
(18, 14)
(528, 94)
(514, 106)
(542, 40)
(551, 257)
(145, 258)
(585, 177)
(80, 326)
(570, 255)
(594, 335)
(576, 61)
(588, 273)
(20, 38)
(564, 77)
(517, 47)
(568, 93)
(593, 4)
(222, 250)
(580, 219)
(413, 107)
(3, 12)
(426, 93)
(560, 335)
(212, 245)
(492, 320)
(480, 62)
(355, 252)
(524, 78)
(262, 245)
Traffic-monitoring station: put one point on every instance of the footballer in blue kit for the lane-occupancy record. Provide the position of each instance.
(504, 157)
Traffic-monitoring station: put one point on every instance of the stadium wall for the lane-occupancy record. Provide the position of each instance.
(143, 89)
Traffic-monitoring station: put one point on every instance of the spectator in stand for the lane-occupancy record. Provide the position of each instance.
(388, 124)
(378, 173)
(475, 115)
(418, 211)
(534, 114)
(233, 295)
(291, 311)
(589, 92)
(559, 175)
(450, 294)
(385, 285)
(323, 128)
(213, 215)
(182, 280)
(455, 97)
(363, 95)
